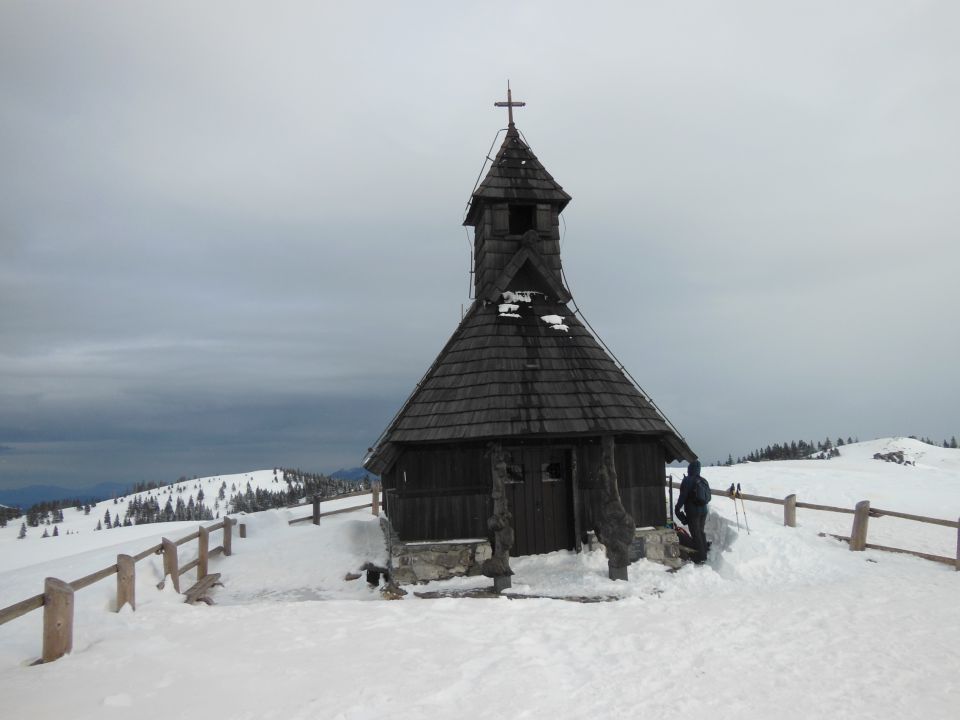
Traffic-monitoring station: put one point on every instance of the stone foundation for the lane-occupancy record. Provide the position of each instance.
(419, 562)
(659, 545)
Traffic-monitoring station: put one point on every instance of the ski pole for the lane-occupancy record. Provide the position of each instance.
(739, 495)
(733, 496)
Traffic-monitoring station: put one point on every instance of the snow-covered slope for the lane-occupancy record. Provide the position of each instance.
(780, 623)
(931, 487)
(34, 548)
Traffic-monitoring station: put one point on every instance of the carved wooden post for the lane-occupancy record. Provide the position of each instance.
(615, 528)
(500, 524)
(171, 566)
(858, 535)
(228, 536)
(316, 509)
(57, 619)
(203, 555)
(790, 511)
(126, 582)
(375, 507)
(243, 530)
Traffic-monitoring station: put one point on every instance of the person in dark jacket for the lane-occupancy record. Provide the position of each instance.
(692, 515)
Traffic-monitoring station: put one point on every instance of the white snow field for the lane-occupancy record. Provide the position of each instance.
(781, 623)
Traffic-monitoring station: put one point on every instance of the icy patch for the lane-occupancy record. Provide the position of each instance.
(508, 309)
(519, 296)
(555, 321)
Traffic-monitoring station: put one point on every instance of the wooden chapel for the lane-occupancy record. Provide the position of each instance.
(524, 419)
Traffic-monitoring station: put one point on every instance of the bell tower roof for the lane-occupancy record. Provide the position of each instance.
(515, 175)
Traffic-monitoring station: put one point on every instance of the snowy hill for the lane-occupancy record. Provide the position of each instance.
(780, 622)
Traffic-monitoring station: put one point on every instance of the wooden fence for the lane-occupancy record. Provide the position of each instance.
(857, 539)
(315, 516)
(57, 596)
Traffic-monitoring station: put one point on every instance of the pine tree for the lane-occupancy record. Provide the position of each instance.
(99, 525)
(953, 442)
(23, 531)
(106, 518)
(45, 534)
(56, 531)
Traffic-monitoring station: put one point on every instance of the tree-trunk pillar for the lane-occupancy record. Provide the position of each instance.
(375, 504)
(243, 530)
(500, 524)
(790, 511)
(615, 527)
(57, 619)
(171, 566)
(858, 535)
(316, 509)
(126, 582)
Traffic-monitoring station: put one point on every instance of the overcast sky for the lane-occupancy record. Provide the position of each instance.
(230, 233)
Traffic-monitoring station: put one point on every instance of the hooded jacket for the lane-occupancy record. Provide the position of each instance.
(686, 487)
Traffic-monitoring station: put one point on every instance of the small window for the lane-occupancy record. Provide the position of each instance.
(522, 218)
(551, 472)
(514, 473)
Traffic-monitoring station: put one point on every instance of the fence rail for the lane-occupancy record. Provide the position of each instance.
(315, 516)
(857, 539)
(57, 597)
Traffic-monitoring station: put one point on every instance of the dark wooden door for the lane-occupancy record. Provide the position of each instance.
(541, 500)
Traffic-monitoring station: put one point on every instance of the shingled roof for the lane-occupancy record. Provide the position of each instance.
(523, 367)
(516, 175)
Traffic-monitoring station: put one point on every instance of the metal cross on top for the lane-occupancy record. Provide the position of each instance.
(509, 104)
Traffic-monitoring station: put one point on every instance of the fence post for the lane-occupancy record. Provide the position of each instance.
(956, 565)
(316, 509)
(790, 511)
(57, 619)
(204, 548)
(126, 582)
(170, 565)
(858, 535)
(228, 536)
(376, 497)
(243, 530)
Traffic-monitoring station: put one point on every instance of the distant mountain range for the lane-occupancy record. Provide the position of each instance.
(26, 496)
(355, 474)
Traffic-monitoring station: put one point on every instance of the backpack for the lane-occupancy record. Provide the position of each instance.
(700, 492)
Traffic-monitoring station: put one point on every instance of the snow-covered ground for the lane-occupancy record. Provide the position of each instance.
(781, 623)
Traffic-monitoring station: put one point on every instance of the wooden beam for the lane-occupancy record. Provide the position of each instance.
(126, 582)
(228, 524)
(171, 566)
(790, 511)
(12, 612)
(858, 535)
(57, 619)
(204, 549)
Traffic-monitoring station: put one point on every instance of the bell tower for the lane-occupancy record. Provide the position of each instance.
(516, 206)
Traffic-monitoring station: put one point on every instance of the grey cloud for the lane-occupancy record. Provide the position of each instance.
(237, 236)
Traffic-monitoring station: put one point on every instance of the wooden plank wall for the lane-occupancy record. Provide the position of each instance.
(439, 493)
(640, 475)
